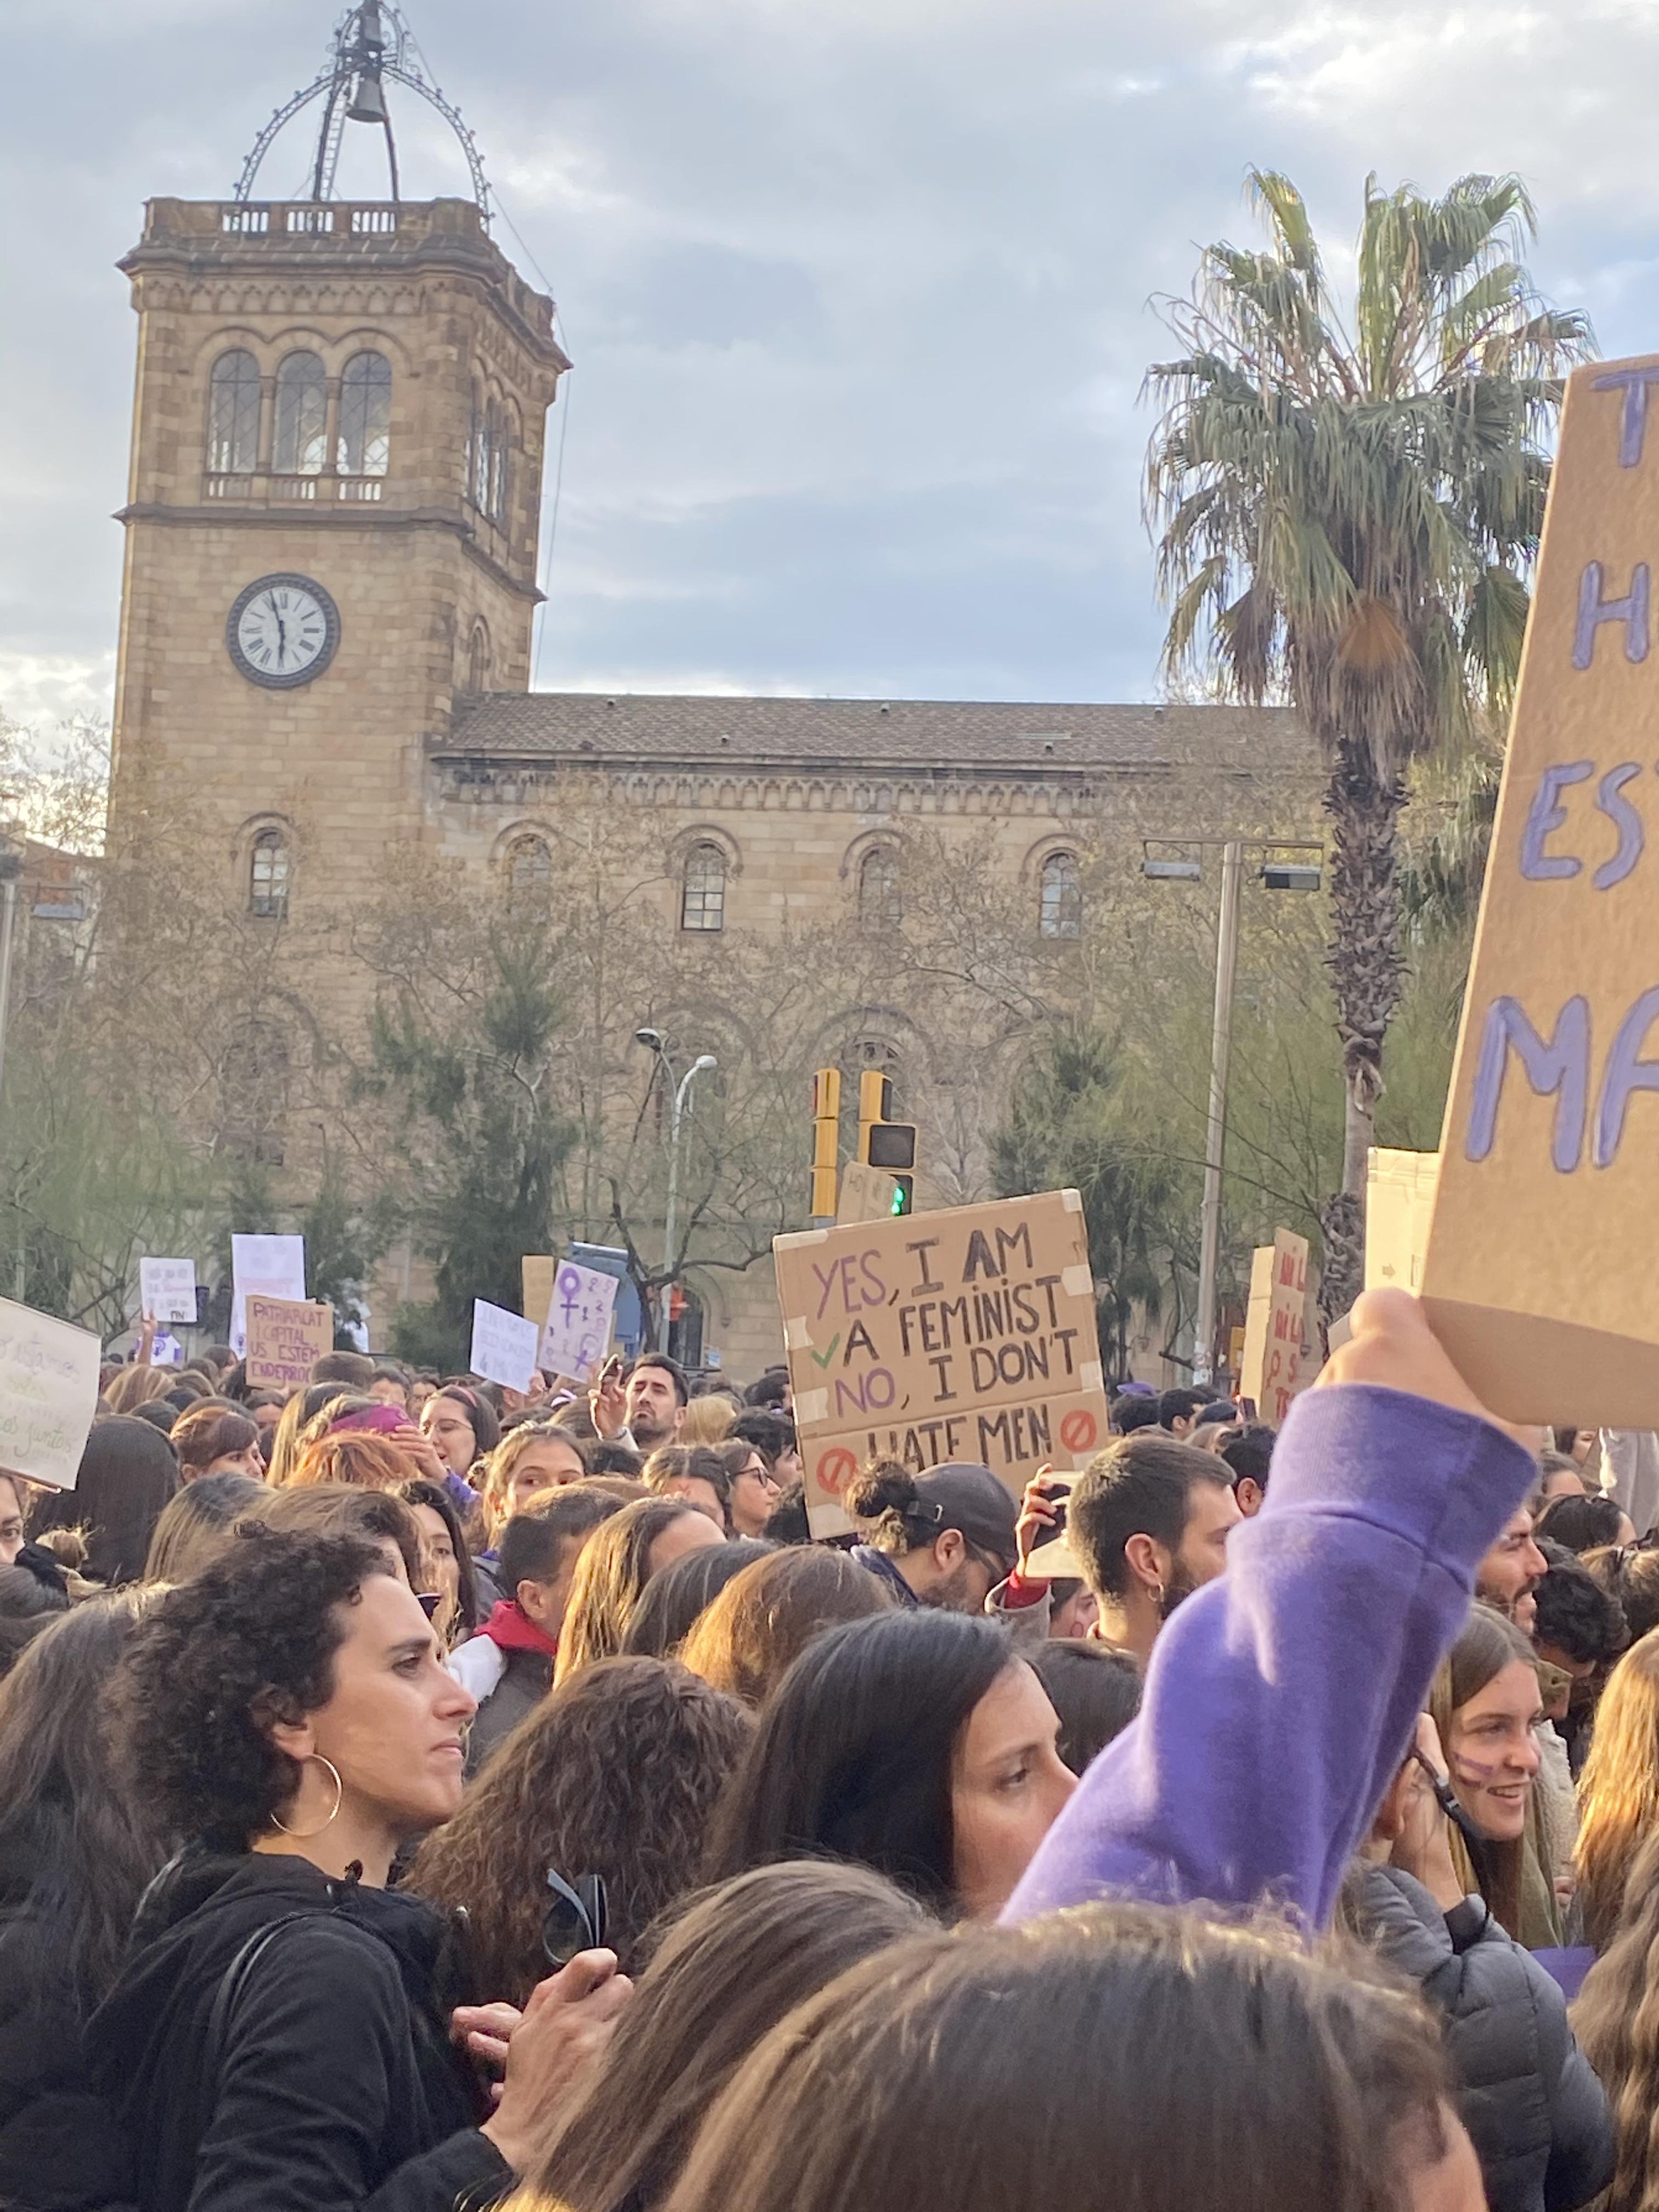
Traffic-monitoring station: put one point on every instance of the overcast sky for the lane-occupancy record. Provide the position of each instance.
(858, 290)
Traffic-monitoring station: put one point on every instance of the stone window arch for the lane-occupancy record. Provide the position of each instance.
(529, 870)
(269, 871)
(880, 903)
(1059, 896)
(477, 657)
(233, 414)
(500, 463)
(300, 446)
(363, 447)
(703, 894)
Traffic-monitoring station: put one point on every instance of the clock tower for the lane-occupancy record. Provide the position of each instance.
(332, 514)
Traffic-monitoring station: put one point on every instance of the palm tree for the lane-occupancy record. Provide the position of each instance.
(1349, 514)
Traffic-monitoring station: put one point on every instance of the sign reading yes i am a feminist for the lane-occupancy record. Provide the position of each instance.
(1538, 1275)
(964, 1334)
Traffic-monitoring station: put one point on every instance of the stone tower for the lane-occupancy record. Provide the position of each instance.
(332, 516)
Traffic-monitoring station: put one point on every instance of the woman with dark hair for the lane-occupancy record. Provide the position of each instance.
(755, 1489)
(1094, 1689)
(34, 1591)
(280, 2034)
(13, 1516)
(615, 1774)
(1114, 2054)
(918, 1743)
(127, 1474)
(615, 1566)
(674, 1600)
(725, 1970)
(696, 1472)
(1485, 1705)
(213, 1440)
(200, 1523)
(445, 1565)
(460, 1423)
(1585, 1524)
(764, 1617)
(76, 1852)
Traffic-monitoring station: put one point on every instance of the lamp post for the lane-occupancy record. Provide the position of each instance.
(1280, 875)
(11, 867)
(654, 1042)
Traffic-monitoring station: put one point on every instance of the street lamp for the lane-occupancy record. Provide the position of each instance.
(1277, 875)
(11, 867)
(653, 1040)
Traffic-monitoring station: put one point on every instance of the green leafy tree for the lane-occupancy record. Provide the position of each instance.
(1348, 514)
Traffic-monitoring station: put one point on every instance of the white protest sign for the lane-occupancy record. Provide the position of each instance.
(48, 1392)
(503, 1345)
(167, 1290)
(166, 1350)
(577, 1332)
(271, 1268)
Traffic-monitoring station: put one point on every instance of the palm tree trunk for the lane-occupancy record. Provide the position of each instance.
(1367, 971)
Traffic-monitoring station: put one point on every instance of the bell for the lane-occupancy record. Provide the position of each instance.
(369, 102)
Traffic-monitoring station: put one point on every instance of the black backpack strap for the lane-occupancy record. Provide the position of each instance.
(233, 1983)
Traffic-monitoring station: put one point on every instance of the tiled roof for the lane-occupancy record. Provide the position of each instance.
(895, 734)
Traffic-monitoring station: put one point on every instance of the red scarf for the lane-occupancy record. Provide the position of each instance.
(511, 1627)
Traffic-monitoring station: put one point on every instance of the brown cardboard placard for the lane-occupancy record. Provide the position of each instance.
(283, 1337)
(968, 1333)
(538, 1272)
(1399, 1206)
(867, 1193)
(1273, 1371)
(1538, 1278)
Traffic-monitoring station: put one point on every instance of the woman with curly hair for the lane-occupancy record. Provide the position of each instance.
(614, 1774)
(614, 1569)
(280, 2034)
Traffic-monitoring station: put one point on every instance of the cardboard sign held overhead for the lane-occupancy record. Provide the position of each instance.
(1398, 1205)
(1272, 1370)
(967, 1335)
(48, 1394)
(167, 1290)
(576, 1333)
(284, 1338)
(1538, 1274)
(504, 1346)
(867, 1193)
(537, 1271)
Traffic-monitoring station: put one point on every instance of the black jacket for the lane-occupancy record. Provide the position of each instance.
(525, 1680)
(1535, 2111)
(334, 2083)
(61, 2149)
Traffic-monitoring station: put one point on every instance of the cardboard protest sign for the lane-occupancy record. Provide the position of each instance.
(576, 1333)
(503, 1345)
(1538, 1274)
(284, 1335)
(867, 1193)
(1399, 1204)
(536, 1272)
(274, 1267)
(1273, 1370)
(48, 1392)
(967, 1335)
(167, 1290)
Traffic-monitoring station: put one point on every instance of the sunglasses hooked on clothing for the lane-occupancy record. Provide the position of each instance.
(576, 1919)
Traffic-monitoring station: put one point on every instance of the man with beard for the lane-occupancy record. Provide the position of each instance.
(943, 1538)
(1148, 1522)
(1511, 1572)
(645, 1411)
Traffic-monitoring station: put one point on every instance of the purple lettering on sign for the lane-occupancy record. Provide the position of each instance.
(1561, 1064)
(1626, 1071)
(1610, 800)
(1545, 817)
(1633, 383)
(1593, 610)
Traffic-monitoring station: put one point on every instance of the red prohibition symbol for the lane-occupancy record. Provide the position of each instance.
(1078, 1431)
(836, 1467)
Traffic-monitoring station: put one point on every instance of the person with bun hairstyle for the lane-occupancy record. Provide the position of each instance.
(944, 1539)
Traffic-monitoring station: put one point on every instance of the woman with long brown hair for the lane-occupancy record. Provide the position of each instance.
(1618, 1789)
(766, 1615)
(615, 1774)
(1617, 2022)
(618, 1561)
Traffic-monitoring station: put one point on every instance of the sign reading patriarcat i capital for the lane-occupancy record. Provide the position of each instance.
(968, 1335)
(1539, 1274)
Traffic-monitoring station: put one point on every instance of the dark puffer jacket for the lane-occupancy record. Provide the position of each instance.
(1534, 2109)
(330, 2083)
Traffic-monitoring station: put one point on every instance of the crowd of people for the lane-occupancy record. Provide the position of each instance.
(419, 1796)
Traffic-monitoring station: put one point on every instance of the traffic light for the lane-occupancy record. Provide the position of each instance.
(886, 1144)
(826, 1142)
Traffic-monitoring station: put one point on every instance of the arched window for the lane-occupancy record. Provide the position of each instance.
(1059, 906)
(478, 457)
(529, 870)
(267, 889)
(233, 416)
(298, 449)
(501, 458)
(365, 440)
(478, 658)
(702, 903)
(879, 905)
(254, 1092)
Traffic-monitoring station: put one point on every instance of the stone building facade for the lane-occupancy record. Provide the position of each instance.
(331, 533)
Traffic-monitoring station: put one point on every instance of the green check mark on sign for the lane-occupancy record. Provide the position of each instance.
(822, 1359)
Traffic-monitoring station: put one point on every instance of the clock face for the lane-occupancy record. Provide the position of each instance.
(283, 631)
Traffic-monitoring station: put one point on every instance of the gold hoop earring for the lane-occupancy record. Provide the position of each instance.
(303, 1835)
(1157, 1595)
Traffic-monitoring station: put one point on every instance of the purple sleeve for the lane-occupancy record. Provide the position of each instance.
(1280, 1699)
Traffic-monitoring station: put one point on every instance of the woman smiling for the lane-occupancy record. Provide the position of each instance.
(1485, 1703)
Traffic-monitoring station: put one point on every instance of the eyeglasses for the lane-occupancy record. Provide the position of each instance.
(576, 1919)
